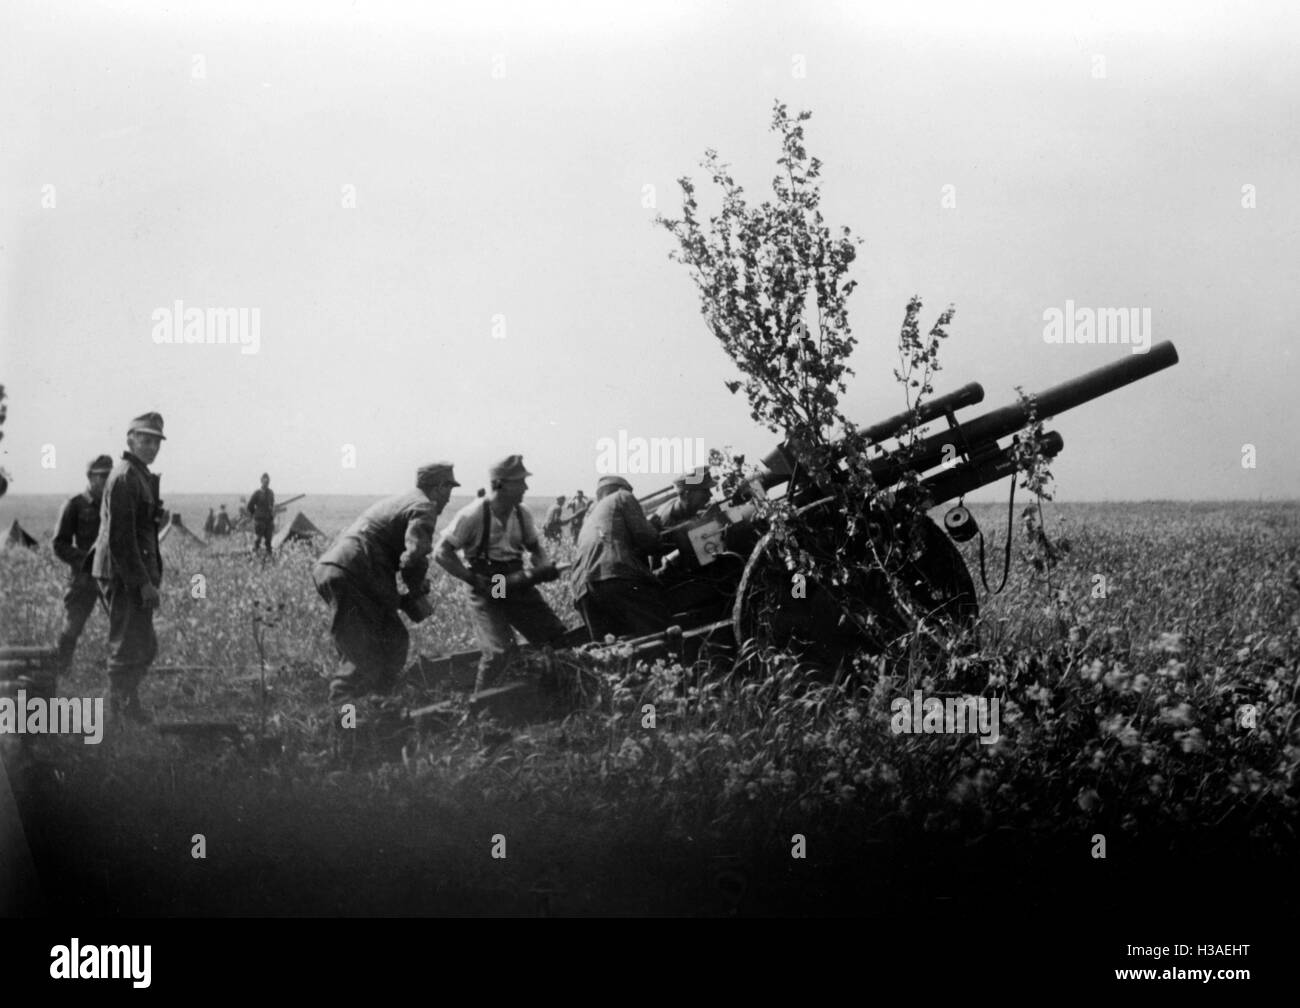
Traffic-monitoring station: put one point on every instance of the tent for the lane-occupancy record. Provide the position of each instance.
(299, 530)
(18, 537)
(175, 536)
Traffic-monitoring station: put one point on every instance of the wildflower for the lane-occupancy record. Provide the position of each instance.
(1087, 799)
(1172, 669)
(1140, 682)
(1118, 677)
(1169, 643)
(1192, 741)
(1179, 716)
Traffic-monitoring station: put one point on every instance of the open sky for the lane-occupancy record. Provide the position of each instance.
(440, 212)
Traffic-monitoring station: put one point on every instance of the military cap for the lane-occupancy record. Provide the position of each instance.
(618, 482)
(510, 467)
(435, 473)
(699, 477)
(147, 423)
(99, 464)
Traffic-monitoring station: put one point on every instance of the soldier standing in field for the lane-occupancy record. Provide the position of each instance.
(262, 507)
(128, 565)
(613, 588)
(493, 535)
(78, 529)
(554, 521)
(222, 526)
(358, 576)
(577, 511)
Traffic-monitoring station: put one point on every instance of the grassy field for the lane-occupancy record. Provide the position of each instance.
(1121, 716)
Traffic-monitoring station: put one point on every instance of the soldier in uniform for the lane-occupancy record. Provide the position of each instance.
(222, 527)
(75, 538)
(554, 521)
(493, 534)
(577, 511)
(694, 491)
(262, 507)
(613, 588)
(358, 575)
(128, 565)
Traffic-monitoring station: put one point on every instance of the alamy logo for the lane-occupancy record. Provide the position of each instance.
(638, 455)
(178, 324)
(101, 962)
(1105, 325)
(960, 715)
(60, 716)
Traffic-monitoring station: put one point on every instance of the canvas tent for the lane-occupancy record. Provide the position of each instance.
(18, 537)
(299, 530)
(176, 536)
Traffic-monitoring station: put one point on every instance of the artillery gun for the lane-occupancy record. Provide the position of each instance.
(728, 579)
(727, 584)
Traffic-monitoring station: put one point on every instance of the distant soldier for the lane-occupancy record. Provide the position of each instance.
(613, 588)
(554, 521)
(358, 576)
(577, 511)
(128, 564)
(694, 492)
(493, 534)
(222, 527)
(210, 524)
(75, 538)
(262, 507)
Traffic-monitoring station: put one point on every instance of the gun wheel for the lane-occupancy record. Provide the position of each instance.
(776, 608)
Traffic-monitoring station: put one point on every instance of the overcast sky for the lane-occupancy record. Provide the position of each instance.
(498, 285)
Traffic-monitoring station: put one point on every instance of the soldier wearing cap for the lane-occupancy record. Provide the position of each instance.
(78, 529)
(694, 491)
(358, 576)
(493, 535)
(262, 507)
(128, 564)
(613, 588)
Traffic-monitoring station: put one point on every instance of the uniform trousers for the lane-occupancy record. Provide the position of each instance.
(370, 637)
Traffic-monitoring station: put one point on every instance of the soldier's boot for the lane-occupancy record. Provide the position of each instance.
(124, 697)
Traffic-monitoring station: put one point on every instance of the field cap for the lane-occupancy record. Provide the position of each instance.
(699, 477)
(510, 467)
(99, 464)
(147, 423)
(617, 482)
(435, 473)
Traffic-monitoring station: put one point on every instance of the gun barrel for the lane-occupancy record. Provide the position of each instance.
(930, 451)
(967, 395)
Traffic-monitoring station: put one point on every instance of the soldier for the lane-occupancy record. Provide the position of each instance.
(128, 565)
(613, 588)
(493, 534)
(577, 510)
(78, 530)
(358, 575)
(554, 521)
(210, 525)
(262, 507)
(694, 491)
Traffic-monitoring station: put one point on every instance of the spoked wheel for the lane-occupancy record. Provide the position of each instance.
(775, 608)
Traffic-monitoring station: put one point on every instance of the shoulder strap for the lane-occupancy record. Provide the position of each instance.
(486, 536)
